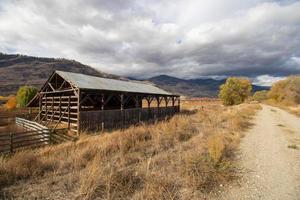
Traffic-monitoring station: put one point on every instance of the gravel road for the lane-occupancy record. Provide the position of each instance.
(270, 159)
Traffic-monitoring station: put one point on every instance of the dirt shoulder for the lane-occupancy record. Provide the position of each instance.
(270, 158)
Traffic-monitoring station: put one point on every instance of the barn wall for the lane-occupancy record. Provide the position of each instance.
(108, 119)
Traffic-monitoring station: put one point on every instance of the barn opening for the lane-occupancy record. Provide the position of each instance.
(81, 102)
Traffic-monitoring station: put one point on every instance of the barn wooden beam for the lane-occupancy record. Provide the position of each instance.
(58, 91)
(108, 99)
(87, 97)
(52, 88)
(62, 84)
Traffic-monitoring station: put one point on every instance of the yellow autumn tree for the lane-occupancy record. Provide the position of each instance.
(235, 91)
(11, 103)
(286, 91)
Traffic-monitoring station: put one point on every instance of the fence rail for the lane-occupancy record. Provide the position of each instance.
(36, 135)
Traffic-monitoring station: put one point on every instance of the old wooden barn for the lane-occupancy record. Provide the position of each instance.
(81, 102)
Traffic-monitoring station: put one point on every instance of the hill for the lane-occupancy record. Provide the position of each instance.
(193, 87)
(17, 70)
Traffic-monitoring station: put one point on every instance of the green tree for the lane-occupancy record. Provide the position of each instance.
(235, 91)
(25, 94)
(260, 95)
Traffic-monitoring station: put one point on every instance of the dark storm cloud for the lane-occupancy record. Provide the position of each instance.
(145, 38)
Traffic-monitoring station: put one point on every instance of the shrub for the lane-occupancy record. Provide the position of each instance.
(11, 103)
(25, 94)
(260, 95)
(286, 91)
(216, 148)
(235, 91)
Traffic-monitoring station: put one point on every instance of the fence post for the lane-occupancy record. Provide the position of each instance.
(11, 142)
(50, 136)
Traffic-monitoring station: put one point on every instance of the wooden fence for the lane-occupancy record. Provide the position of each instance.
(36, 136)
(108, 119)
(24, 113)
(8, 117)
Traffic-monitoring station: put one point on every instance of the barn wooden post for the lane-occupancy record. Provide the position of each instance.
(166, 101)
(166, 109)
(46, 108)
(102, 109)
(173, 105)
(78, 111)
(149, 100)
(59, 106)
(69, 102)
(40, 107)
(158, 103)
(122, 108)
(52, 109)
(136, 99)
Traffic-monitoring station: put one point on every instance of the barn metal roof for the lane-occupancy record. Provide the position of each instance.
(83, 81)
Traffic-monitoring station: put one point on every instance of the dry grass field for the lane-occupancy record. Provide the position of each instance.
(184, 157)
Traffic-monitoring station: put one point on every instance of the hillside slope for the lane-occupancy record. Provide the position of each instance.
(17, 70)
(193, 87)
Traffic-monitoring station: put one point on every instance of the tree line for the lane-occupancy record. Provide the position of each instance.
(238, 90)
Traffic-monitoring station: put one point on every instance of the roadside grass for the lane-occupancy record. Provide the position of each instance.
(291, 108)
(184, 157)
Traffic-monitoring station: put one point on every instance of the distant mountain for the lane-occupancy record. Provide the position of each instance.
(192, 87)
(17, 70)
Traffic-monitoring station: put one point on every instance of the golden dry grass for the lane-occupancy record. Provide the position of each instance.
(294, 109)
(182, 158)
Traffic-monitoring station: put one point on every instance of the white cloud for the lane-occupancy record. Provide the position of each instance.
(266, 80)
(185, 38)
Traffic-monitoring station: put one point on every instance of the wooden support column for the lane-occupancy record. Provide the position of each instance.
(46, 109)
(122, 108)
(173, 102)
(102, 101)
(78, 111)
(40, 107)
(158, 104)
(136, 99)
(69, 102)
(122, 101)
(149, 100)
(102, 108)
(167, 101)
(59, 106)
(52, 108)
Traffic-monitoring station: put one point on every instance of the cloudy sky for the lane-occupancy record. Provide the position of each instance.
(144, 38)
